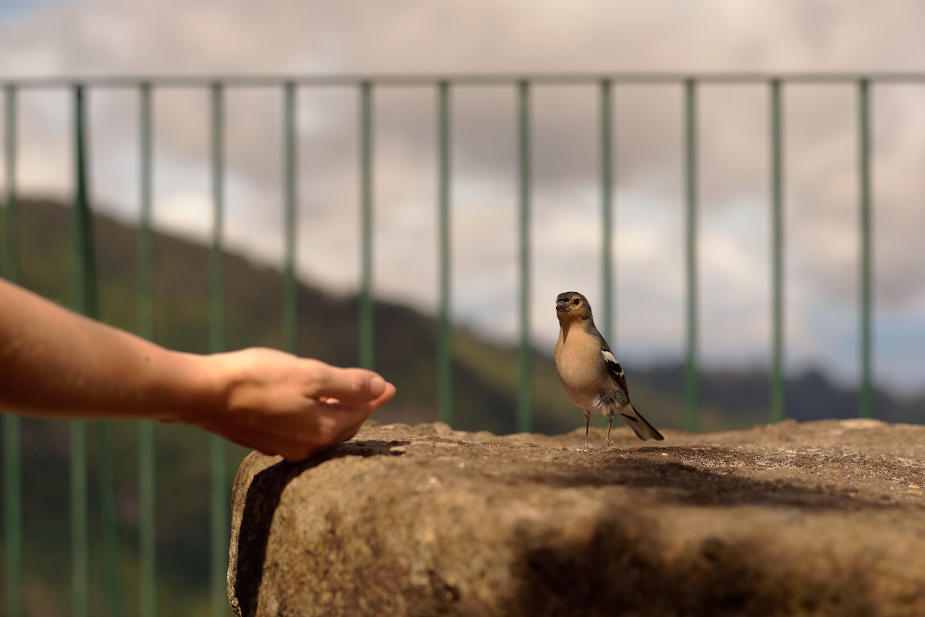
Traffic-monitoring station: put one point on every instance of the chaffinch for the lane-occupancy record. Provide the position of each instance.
(590, 373)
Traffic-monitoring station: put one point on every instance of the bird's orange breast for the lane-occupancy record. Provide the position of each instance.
(579, 365)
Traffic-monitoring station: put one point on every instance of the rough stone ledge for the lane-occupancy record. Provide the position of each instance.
(824, 518)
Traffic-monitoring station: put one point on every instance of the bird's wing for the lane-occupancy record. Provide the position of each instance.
(614, 369)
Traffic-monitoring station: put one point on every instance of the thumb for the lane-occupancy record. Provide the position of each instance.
(348, 385)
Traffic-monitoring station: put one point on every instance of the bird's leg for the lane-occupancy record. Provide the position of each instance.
(609, 426)
(587, 428)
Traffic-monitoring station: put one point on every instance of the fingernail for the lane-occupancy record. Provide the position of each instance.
(376, 386)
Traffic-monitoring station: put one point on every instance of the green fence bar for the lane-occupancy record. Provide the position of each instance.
(290, 175)
(217, 447)
(778, 382)
(367, 351)
(11, 227)
(83, 299)
(691, 377)
(12, 457)
(866, 403)
(217, 261)
(12, 514)
(147, 598)
(607, 208)
(80, 560)
(524, 403)
(86, 302)
(444, 351)
(106, 478)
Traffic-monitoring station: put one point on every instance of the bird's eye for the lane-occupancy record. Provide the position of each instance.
(576, 301)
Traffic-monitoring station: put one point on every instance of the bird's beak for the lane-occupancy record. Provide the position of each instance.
(562, 305)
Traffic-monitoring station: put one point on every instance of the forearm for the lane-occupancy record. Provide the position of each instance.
(54, 362)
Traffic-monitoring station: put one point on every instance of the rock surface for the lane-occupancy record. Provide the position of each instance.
(825, 518)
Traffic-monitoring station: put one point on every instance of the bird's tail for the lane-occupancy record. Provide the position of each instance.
(640, 425)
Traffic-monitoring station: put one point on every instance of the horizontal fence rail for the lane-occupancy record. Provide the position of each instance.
(463, 79)
(85, 295)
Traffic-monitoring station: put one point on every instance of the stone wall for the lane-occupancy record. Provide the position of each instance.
(824, 518)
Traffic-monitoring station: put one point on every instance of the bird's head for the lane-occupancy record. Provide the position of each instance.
(572, 306)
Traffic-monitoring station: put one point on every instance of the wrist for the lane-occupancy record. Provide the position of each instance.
(207, 381)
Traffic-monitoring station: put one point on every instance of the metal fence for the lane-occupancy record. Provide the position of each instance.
(85, 285)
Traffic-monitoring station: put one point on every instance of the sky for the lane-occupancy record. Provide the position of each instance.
(132, 37)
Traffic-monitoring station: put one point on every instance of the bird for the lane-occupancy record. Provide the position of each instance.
(590, 373)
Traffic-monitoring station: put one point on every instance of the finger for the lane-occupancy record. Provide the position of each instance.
(362, 408)
(385, 397)
(348, 385)
(350, 418)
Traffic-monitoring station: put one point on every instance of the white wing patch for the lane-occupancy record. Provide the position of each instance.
(615, 396)
(610, 359)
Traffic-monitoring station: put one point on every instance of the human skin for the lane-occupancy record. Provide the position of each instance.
(56, 363)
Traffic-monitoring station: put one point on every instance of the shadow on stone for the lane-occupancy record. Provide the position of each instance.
(673, 482)
(262, 499)
(623, 570)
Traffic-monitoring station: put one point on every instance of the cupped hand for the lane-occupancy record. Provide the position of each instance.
(278, 403)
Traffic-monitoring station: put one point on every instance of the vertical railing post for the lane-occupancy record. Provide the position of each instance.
(290, 183)
(524, 403)
(217, 447)
(778, 382)
(11, 227)
(87, 303)
(367, 351)
(444, 352)
(147, 597)
(691, 381)
(12, 457)
(83, 296)
(866, 403)
(106, 478)
(607, 208)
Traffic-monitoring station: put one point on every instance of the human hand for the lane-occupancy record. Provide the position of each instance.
(278, 403)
